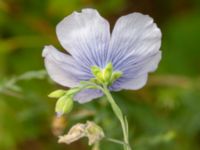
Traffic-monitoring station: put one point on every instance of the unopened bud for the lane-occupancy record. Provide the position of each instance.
(57, 94)
(64, 105)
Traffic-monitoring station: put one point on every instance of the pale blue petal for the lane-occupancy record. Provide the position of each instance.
(86, 37)
(135, 77)
(134, 48)
(62, 68)
(87, 95)
(133, 35)
(148, 64)
(135, 84)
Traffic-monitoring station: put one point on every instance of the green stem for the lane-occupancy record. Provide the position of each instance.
(119, 115)
(116, 141)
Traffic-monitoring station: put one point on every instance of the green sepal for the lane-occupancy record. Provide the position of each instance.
(105, 76)
(95, 70)
(107, 73)
(64, 105)
(116, 75)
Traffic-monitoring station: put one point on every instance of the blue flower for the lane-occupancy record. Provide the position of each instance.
(133, 48)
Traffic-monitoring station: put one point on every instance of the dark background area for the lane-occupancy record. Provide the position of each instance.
(165, 114)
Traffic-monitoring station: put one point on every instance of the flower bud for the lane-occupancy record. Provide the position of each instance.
(57, 94)
(64, 105)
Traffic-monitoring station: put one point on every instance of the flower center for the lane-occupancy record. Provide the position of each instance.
(106, 76)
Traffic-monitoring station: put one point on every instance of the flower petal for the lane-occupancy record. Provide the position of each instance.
(136, 77)
(87, 95)
(85, 36)
(134, 37)
(134, 50)
(136, 83)
(62, 68)
(143, 66)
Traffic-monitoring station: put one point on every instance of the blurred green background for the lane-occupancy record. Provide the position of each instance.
(165, 115)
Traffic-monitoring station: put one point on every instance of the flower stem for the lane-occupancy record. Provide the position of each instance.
(119, 115)
(116, 141)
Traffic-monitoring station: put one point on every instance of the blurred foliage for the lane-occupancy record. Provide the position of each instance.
(163, 115)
